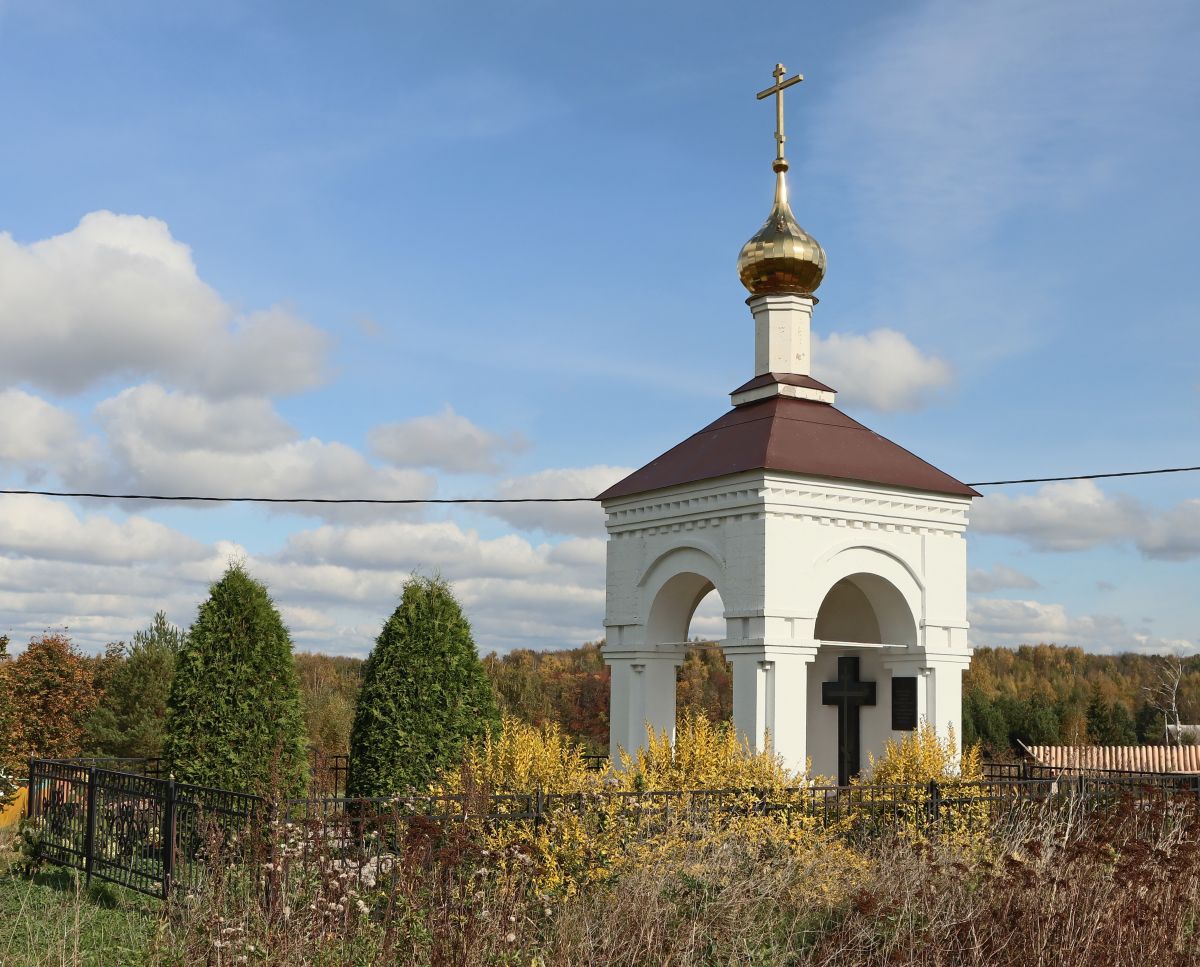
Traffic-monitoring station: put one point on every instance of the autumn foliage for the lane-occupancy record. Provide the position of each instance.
(46, 694)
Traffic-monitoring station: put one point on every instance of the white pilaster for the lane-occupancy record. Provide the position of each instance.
(770, 698)
(782, 334)
(641, 695)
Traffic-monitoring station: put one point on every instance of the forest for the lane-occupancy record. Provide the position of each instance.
(58, 702)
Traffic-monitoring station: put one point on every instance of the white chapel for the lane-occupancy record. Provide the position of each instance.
(839, 556)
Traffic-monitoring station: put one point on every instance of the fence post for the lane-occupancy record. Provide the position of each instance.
(168, 838)
(33, 796)
(539, 807)
(89, 841)
(935, 801)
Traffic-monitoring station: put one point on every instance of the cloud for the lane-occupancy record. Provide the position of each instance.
(881, 370)
(156, 441)
(1174, 535)
(580, 519)
(118, 296)
(178, 421)
(445, 441)
(998, 578)
(104, 577)
(1069, 516)
(32, 430)
(51, 530)
(997, 621)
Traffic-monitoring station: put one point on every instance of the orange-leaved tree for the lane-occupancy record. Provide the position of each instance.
(51, 690)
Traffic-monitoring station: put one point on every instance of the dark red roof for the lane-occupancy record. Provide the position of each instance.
(789, 435)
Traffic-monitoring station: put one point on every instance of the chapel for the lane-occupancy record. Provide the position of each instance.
(839, 556)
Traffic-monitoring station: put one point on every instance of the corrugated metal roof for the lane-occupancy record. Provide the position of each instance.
(1128, 758)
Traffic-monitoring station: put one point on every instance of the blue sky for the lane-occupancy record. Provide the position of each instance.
(477, 249)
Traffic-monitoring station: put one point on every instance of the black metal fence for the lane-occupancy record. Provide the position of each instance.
(153, 834)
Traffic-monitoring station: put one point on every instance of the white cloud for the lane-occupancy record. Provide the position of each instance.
(1067, 516)
(881, 370)
(1174, 535)
(996, 621)
(119, 296)
(103, 578)
(180, 443)
(32, 430)
(580, 519)
(998, 578)
(178, 421)
(445, 441)
(51, 530)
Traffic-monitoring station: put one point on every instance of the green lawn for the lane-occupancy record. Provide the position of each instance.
(54, 919)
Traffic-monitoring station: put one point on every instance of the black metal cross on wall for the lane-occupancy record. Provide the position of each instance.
(849, 695)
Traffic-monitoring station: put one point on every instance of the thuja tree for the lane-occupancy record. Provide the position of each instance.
(424, 695)
(233, 717)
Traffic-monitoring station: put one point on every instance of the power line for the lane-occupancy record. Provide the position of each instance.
(1083, 476)
(189, 498)
(309, 500)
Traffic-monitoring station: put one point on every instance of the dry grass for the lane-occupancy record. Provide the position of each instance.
(1055, 887)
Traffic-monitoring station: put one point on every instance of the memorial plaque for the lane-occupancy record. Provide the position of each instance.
(904, 704)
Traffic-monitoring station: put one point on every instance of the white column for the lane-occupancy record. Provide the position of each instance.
(770, 699)
(944, 692)
(782, 334)
(641, 694)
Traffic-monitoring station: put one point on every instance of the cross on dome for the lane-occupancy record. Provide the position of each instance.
(779, 87)
(782, 257)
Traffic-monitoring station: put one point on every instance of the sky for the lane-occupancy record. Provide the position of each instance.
(411, 250)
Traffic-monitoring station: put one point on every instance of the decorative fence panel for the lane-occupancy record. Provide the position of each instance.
(153, 835)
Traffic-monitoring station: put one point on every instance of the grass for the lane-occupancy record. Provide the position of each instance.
(1053, 887)
(53, 918)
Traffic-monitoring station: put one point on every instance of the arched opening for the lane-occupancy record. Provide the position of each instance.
(866, 609)
(687, 612)
(705, 680)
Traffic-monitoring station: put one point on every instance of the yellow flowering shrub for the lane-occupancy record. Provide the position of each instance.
(897, 786)
(665, 804)
(524, 758)
(704, 755)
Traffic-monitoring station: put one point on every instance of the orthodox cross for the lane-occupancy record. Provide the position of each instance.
(780, 86)
(849, 695)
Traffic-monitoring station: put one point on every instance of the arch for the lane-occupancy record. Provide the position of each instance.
(866, 608)
(683, 559)
(673, 586)
(672, 608)
(858, 559)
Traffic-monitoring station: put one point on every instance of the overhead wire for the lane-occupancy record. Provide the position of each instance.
(195, 498)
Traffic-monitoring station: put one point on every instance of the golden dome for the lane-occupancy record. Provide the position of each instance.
(781, 257)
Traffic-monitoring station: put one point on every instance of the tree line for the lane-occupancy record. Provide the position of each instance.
(227, 704)
(57, 702)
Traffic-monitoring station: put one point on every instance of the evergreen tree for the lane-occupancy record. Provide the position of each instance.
(424, 695)
(234, 717)
(1110, 724)
(129, 720)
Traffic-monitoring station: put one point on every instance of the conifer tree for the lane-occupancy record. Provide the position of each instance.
(234, 718)
(129, 720)
(424, 695)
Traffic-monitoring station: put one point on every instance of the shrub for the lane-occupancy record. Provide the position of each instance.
(233, 717)
(523, 758)
(704, 755)
(424, 695)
